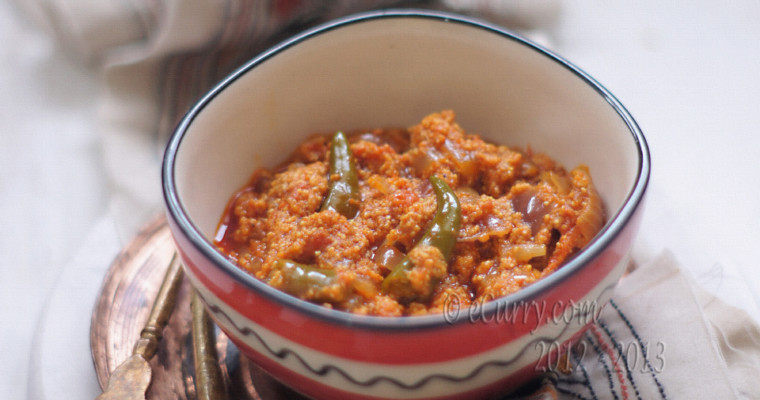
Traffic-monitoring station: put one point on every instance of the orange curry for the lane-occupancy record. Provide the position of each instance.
(393, 222)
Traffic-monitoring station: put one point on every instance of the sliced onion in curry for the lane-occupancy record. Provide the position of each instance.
(525, 252)
(422, 160)
(531, 206)
(463, 159)
(591, 219)
(388, 256)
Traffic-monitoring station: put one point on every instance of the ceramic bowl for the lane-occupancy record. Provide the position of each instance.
(389, 69)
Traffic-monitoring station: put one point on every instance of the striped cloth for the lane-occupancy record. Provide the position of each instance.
(661, 337)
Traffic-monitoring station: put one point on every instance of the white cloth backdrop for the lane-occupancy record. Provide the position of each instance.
(91, 89)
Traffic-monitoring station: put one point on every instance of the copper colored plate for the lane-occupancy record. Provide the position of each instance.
(122, 307)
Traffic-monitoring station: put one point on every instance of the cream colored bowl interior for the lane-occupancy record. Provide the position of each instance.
(392, 72)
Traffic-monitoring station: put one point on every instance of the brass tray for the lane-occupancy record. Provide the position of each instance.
(122, 307)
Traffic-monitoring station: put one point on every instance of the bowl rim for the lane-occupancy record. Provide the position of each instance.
(614, 226)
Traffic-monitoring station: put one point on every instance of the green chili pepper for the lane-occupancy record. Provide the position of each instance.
(307, 282)
(343, 194)
(442, 234)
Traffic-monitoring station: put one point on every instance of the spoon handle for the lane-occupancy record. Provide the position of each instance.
(162, 309)
(208, 376)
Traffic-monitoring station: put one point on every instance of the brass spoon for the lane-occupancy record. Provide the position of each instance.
(208, 376)
(131, 379)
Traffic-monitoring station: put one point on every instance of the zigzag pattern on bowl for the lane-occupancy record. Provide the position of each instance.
(320, 371)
